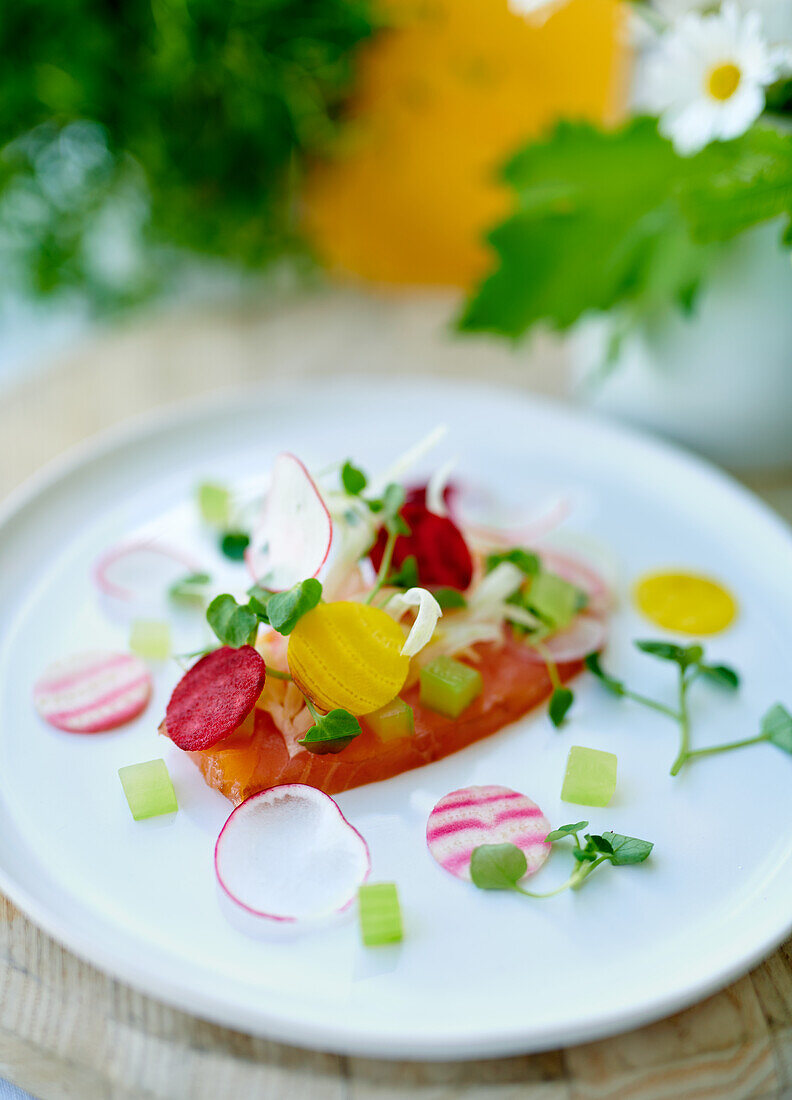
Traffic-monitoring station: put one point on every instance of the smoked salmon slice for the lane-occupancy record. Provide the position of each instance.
(264, 751)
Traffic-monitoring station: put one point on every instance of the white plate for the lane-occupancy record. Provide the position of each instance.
(478, 973)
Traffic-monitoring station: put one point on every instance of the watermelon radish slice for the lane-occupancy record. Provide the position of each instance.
(92, 692)
(292, 538)
(141, 571)
(289, 855)
(214, 697)
(464, 819)
(587, 634)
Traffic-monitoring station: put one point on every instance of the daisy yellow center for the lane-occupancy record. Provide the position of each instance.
(723, 81)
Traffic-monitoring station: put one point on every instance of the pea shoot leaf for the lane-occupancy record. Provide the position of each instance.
(684, 656)
(190, 589)
(613, 685)
(285, 609)
(564, 831)
(497, 866)
(722, 675)
(406, 576)
(560, 702)
(627, 849)
(258, 599)
(449, 598)
(234, 624)
(353, 479)
(523, 559)
(332, 732)
(777, 727)
(234, 544)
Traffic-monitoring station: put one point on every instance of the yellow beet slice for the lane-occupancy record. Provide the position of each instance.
(348, 655)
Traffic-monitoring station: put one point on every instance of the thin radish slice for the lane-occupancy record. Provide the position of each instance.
(214, 697)
(288, 854)
(141, 571)
(523, 534)
(92, 692)
(587, 634)
(464, 819)
(292, 538)
(581, 575)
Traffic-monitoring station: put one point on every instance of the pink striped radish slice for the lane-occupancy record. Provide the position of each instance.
(292, 538)
(581, 575)
(288, 854)
(141, 571)
(587, 634)
(464, 819)
(92, 692)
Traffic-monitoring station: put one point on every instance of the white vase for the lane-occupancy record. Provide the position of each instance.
(719, 380)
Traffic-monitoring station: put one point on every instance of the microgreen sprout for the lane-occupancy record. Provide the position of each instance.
(501, 866)
(353, 479)
(331, 732)
(234, 544)
(190, 589)
(775, 728)
(236, 624)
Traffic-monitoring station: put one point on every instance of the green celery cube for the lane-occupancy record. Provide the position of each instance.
(151, 639)
(214, 503)
(590, 778)
(380, 914)
(392, 721)
(148, 789)
(554, 599)
(448, 686)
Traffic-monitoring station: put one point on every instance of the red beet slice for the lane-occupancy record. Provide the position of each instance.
(214, 697)
(435, 542)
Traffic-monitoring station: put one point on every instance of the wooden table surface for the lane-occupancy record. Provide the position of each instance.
(66, 1030)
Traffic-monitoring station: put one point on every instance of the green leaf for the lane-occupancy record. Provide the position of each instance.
(406, 576)
(684, 656)
(233, 624)
(449, 598)
(565, 830)
(332, 732)
(497, 866)
(392, 501)
(234, 544)
(560, 702)
(523, 559)
(777, 727)
(190, 589)
(258, 600)
(627, 849)
(285, 609)
(595, 212)
(592, 663)
(722, 675)
(600, 844)
(353, 479)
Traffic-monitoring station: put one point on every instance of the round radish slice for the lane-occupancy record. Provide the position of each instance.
(288, 854)
(292, 538)
(214, 697)
(579, 574)
(141, 571)
(587, 634)
(464, 819)
(94, 691)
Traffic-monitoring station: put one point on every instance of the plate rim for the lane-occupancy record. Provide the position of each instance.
(326, 1037)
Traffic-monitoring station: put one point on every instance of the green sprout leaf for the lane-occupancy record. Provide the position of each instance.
(190, 589)
(626, 849)
(285, 609)
(526, 561)
(684, 656)
(722, 675)
(592, 663)
(560, 702)
(564, 831)
(353, 479)
(777, 727)
(497, 866)
(234, 544)
(332, 732)
(234, 624)
(406, 576)
(600, 844)
(449, 598)
(259, 599)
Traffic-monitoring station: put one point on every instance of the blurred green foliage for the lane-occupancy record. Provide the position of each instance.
(161, 126)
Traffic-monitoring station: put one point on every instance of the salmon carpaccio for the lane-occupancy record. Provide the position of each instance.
(264, 751)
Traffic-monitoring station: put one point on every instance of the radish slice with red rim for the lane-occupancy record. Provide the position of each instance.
(464, 819)
(141, 571)
(289, 855)
(587, 634)
(292, 538)
(504, 537)
(92, 692)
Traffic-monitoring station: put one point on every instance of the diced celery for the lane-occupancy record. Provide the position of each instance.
(590, 778)
(554, 599)
(392, 721)
(214, 502)
(380, 914)
(148, 789)
(150, 638)
(448, 686)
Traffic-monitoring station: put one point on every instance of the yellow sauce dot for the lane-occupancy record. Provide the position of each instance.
(348, 655)
(685, 602)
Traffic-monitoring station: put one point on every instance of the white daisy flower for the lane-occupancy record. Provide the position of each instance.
(706, 76)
